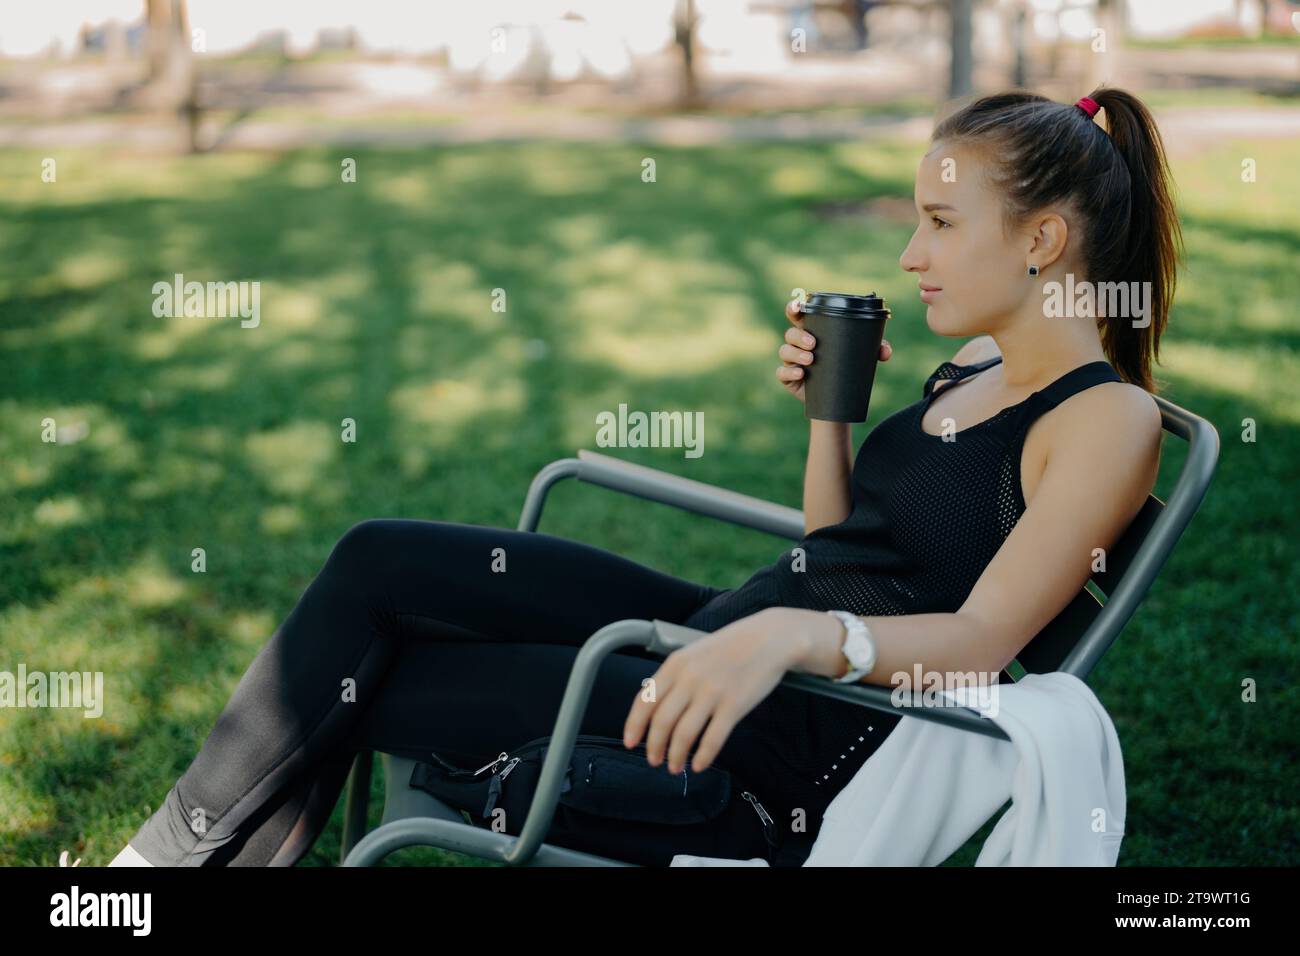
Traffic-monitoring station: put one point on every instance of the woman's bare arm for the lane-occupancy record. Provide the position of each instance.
(827, 491)
(1100, 468)
(827, 498)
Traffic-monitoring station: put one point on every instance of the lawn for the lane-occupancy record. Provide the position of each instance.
(376, 301)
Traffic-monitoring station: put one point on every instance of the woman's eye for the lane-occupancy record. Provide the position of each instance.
(941, 222)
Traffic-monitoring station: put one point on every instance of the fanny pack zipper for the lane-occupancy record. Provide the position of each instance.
(769, 825)
(503, 757)
(494, 788)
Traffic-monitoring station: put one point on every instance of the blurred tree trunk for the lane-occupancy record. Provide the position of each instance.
(1019, 67)
(856, 12)
(684, 22)
(962, 62)
(1104, 67)
(1054, 49)
(173, 79)
(158, 17)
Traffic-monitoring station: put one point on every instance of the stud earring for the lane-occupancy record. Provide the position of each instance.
(1033, 270)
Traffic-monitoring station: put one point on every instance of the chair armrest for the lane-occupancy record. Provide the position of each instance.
(668, 637)
(654, 485)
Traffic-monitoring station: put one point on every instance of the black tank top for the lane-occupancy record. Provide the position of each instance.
(928, 516)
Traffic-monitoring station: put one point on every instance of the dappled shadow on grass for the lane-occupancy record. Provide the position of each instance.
(376, 306)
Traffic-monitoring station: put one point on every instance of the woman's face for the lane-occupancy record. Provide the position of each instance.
(959, 247)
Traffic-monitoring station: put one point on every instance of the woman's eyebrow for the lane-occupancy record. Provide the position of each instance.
(932, 206)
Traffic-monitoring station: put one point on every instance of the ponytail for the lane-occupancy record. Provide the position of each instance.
(1154, 237)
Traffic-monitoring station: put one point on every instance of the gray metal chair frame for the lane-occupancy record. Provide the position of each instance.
(1073, 642)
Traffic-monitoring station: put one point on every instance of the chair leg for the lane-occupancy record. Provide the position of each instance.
(358, 802)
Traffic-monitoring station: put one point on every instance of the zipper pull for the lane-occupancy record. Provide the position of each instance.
(769, 825)
(488, 766)
(494, 788)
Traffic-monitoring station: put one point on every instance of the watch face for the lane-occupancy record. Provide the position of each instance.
(858, 650)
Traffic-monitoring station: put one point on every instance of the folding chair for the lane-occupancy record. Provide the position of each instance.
(1073, 642)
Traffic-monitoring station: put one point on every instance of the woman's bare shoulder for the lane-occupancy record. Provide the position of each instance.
(1121, 415)
(1121, 404)
(1111, 433)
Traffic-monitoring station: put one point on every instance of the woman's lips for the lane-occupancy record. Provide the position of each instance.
(928, 293)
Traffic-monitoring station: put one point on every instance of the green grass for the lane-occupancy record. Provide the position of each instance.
(376, 306)
(1270, 39)
(1219, 98)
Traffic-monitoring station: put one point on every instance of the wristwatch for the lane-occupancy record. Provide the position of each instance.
(859, 647)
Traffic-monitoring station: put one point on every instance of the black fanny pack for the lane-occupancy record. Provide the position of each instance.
(612, 802)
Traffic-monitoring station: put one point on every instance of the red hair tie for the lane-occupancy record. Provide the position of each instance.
(1088, 105)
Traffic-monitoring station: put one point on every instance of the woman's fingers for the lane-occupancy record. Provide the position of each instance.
(721, 724)
(639, 714)
(800, 338)
(790, 353)
(686, 732)
(666, 713)
(886, 350)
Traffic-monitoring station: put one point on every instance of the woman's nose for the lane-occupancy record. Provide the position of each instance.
(911, 260)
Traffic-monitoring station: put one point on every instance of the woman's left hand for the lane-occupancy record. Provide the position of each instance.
(715, 680)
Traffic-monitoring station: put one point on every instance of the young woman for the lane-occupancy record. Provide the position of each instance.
(965, 523)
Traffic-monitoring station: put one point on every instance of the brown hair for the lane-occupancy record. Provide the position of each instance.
(1117, 180)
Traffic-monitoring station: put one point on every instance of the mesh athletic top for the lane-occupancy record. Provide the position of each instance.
(928, 516)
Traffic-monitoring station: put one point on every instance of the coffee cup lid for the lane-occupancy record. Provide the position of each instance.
(841, 303)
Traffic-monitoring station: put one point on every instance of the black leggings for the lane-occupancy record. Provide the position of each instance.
(446, 654)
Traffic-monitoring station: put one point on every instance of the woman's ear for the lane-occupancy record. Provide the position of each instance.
(1047, 240)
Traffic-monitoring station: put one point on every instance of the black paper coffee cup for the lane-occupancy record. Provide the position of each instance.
(848, 330)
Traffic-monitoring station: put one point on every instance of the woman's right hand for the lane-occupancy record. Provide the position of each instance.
(797, 352)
